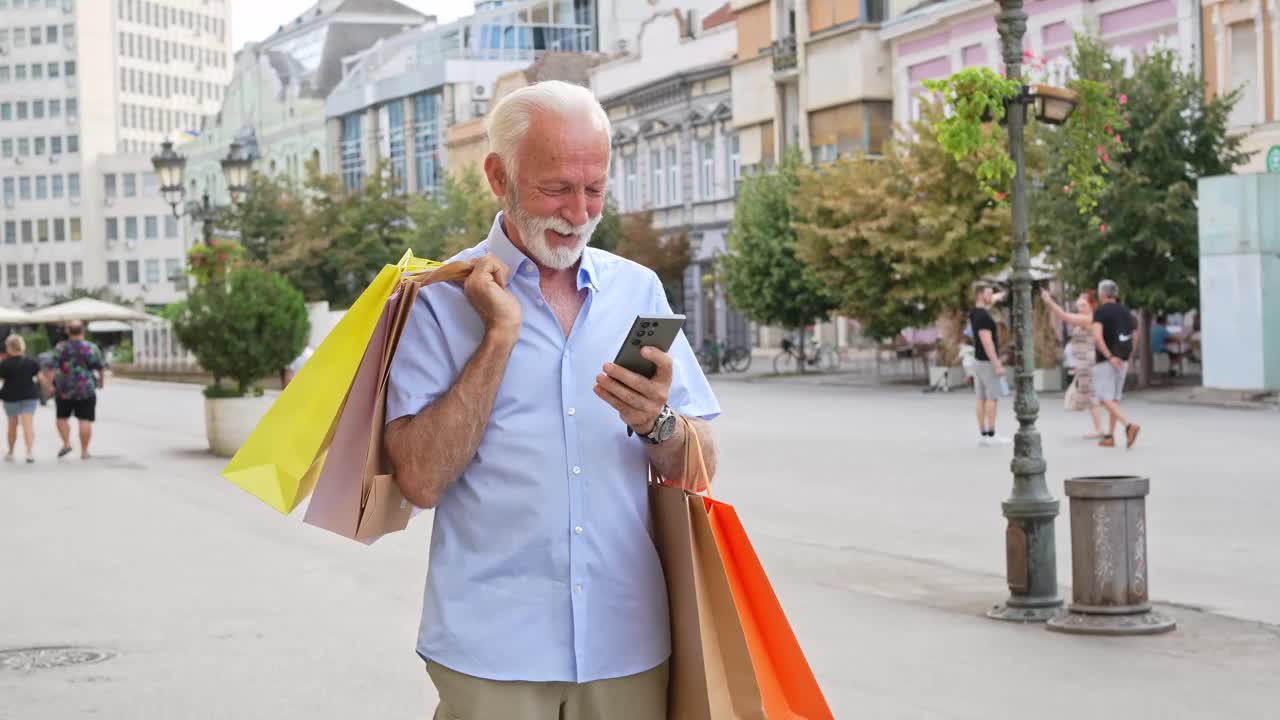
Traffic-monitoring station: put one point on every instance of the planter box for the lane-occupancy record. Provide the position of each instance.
(1049, 380)
(228, 421)
(946, 378)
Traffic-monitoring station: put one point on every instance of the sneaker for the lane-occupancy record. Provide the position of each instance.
(984, 441)
(1108, 441)
(64, 452)
(1131, 435)
(1000, 440)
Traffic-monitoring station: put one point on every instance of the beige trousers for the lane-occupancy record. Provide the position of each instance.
(642, 696)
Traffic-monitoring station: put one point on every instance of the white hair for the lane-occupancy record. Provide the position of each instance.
(509, 122)
(1109, 289)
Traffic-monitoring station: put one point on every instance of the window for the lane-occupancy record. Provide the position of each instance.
(55, 145)
(707, 177)
(655, 182)
(37, 38)
(39, 147)
(4, 73)
(630, 183)
(426, 140)
(395, 140)
(46, 275)
(673, 175)
(28, 275)
(42, 231)
(109, 185)
(113, 272)
(24, 147)
(10, 232)
(6, 148)
(131, 228)
(73, 143)
(51, 34)
(130, 184)
(349, 150)
(77, 273)
(56, 190)
(150, 185)
(69, 68)
(22, 110)
(42, 187)
(170, 226)
(6, 111)
(8, 192)
(27, 236)
(153, 271)
(131, 274)
(74, 225)
(151, 226)
(60, 273)
(24, 188)
(37, 71)
(113, 229)
(55, 70)
(73, 186)
(172, 268)
(37, 109)
(59, 230)
(1242, 67)
(73, 108)
(11, 275)
(55, 110)
(19, 38)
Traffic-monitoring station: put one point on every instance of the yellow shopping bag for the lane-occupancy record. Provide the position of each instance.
(282, 457)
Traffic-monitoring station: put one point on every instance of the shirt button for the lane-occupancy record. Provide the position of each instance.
(529, 268)
(576, 470)
(540, 302)
(577, 530)
(577, 588)
(573, 411)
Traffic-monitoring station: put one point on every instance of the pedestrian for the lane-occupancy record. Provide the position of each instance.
(1081, 351)
(988, 371)
(544, 596)
(20, 393)
(1114, 338)
(78, 374)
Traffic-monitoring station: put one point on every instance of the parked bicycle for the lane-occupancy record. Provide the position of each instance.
(714, 359)
(820, 357)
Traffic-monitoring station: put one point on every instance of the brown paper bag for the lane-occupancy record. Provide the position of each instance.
(355, 459)
(711, 676)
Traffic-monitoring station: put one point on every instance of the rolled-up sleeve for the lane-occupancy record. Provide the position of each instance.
(691, 394)
(422, 369)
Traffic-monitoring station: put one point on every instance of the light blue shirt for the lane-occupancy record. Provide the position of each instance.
(542, 565)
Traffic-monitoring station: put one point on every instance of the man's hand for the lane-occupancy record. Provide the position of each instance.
(638, 400)
(998, 367)
(1116, 362)
(486, 290)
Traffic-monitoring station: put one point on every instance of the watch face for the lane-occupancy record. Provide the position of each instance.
(666, 428)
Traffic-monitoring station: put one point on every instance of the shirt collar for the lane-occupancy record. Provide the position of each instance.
(506, 251)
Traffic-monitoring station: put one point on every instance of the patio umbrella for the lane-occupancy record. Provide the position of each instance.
(105, 326)
(13, 316)
(86, 309)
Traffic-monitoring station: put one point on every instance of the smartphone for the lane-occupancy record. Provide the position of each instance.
(648, 331)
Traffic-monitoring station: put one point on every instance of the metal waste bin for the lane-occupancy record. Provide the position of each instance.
(1109, 588)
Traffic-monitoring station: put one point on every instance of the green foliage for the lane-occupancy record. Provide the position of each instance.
(763, 277)
(901, 239)
(1145, 235)
(262, 219)
(37, 342)
(123, 354)
(245, 329)
(609, 234)
(102, 293)
(210, 263)
(666, 256)
(456, 218)
(977, 97)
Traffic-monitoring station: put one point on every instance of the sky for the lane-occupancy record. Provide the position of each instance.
(253, 20)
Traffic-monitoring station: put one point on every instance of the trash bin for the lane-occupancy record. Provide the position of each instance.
(1110, 580)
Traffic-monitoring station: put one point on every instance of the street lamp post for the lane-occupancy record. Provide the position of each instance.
(170, 167)
(1030, 552)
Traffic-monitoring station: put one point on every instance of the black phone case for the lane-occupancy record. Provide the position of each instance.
(648, 331)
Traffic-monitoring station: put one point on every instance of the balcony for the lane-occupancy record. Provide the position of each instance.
(784, 54)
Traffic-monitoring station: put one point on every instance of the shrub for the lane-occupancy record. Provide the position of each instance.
(245, 329)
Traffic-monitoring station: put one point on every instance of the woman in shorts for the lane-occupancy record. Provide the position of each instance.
(21, 394)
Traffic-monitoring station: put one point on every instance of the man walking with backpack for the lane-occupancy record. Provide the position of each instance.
(1114, 336)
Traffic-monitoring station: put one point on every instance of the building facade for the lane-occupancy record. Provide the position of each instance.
(810, 74)
(1240, 52)
(399, 99)
(675, 152)
(938, 39)
(275, 104)
(88, 89)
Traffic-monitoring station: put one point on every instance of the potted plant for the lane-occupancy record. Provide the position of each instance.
(243, 324)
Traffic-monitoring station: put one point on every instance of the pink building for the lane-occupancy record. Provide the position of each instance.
(936, 39)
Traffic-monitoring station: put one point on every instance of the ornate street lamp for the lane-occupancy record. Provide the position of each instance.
(1030, 547)
(170, 166)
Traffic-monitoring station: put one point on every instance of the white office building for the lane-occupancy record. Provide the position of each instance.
(88, 91)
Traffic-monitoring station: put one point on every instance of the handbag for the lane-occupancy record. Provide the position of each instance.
(1069, 398)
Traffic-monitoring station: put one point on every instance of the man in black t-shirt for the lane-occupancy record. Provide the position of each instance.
(988, 371)
(1116, 340)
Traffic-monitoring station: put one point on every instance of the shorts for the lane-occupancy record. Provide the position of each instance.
(14, 408)
(1108, 382)
(83, 409)
(985, 380)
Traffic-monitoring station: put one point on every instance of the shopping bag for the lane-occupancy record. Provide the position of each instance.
(356, 495)
(733, 653)
(281, 458)
(1070, 397)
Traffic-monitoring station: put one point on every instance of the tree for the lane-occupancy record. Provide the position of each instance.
(608, 234)
(902, 239)
(456, 218)
(667, 256)
(263, 218)
(763, 278)
(1147, 237)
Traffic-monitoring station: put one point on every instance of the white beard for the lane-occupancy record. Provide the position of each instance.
(533, 231)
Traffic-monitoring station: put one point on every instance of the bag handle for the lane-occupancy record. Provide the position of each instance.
(696, 478)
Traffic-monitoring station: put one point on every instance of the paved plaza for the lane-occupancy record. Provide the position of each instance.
(875, 513)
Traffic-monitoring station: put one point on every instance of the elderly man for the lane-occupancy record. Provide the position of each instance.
(545, 597)
(1114, 337)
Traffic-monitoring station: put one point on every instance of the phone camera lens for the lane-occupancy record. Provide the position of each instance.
(644, 324)
(635, 342)
(650, 333)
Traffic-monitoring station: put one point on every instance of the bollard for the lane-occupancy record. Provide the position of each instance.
(1109, 588)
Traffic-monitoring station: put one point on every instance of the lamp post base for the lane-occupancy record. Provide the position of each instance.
(1147, 623)
(1026, 614)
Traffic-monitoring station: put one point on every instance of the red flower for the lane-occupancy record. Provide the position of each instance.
(1102, 228)
(1124, 99)
(1066, 189)
(1000, 196)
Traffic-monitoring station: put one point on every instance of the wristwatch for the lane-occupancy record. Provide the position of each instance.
(663, 428)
